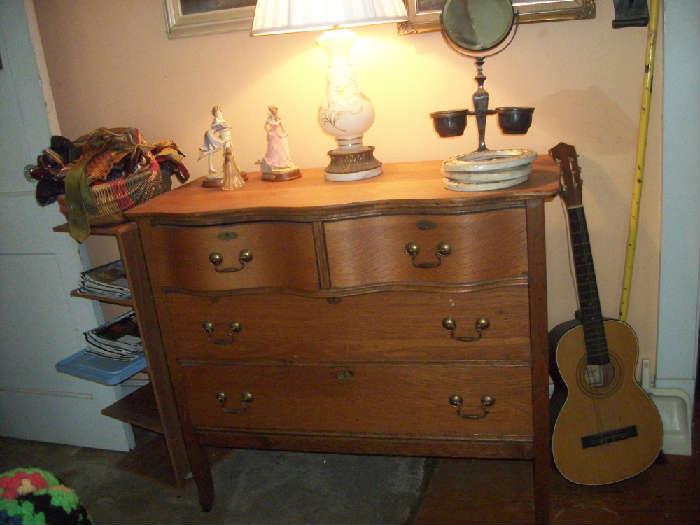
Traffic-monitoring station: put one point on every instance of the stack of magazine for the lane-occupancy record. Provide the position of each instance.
(116, 339)
(108, 280)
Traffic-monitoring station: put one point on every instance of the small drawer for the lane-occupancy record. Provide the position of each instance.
(465, 248)
(251, 255)
(392, 400)
(488, 325)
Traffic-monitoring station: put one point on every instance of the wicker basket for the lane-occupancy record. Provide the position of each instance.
(113, 198)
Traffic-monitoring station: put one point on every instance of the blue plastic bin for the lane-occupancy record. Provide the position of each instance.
(100, 369)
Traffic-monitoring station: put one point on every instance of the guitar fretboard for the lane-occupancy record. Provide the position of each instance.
(591, 316)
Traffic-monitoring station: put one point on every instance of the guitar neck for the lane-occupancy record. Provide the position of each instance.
(591, 315)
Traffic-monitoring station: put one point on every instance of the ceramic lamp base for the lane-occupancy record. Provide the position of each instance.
(356, 163)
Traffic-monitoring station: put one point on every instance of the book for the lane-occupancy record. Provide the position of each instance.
(118, 338)
(108, 280)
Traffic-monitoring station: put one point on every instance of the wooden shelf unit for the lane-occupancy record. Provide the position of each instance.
(151, 406)
(102, 298)
(112, 230)
(138, 408)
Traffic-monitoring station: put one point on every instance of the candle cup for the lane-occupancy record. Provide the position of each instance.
(450, 123)
(515, 120)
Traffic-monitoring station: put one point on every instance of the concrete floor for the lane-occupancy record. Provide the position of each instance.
(252, 487)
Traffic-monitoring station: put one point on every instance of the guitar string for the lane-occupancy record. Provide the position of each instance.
(572, 276)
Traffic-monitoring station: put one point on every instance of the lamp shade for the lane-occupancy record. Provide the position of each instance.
(288, 16)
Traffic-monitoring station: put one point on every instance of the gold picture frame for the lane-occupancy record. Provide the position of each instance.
(206, 17)
(424, 15)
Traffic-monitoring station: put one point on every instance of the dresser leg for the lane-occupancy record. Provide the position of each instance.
(201, 471)
(537, 287)
(205, 484)
(541, 470)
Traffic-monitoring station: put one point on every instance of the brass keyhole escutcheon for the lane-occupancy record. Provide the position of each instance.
(345, 375)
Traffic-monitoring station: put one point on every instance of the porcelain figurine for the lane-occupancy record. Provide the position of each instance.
(216, 138)
(277, 164)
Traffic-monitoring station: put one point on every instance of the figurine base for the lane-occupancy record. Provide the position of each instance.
(281, 175)
(355, 163)
(212, 182)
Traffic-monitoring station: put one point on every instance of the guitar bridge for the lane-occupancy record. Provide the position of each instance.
(595, 440)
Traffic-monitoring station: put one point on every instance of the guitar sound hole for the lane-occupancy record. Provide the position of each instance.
(601, 381)
(599, 376)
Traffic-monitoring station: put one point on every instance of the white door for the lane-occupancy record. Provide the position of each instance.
(40, 323)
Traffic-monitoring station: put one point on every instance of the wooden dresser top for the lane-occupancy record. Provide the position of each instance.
(416, 185)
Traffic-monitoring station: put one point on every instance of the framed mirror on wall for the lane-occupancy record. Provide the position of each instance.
(424, 15)
(201, 17)
(185, 18)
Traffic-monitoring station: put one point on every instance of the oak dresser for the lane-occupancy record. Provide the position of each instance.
(386, 316)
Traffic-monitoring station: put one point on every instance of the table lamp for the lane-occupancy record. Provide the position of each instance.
(345, 112)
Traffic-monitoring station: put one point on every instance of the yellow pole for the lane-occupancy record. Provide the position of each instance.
(640, 160)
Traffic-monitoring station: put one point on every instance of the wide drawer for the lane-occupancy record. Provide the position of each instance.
(251, 255)
(387, 326)
(471, 247)
(392, 400)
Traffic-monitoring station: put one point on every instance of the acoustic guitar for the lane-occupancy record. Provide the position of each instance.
(606, 429)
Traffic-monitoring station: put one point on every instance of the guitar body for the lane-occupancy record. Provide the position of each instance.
(602, 434)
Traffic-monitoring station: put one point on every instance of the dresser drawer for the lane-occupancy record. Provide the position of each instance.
(397, 400)
(472, 247)
(251, 255)
(387, 326)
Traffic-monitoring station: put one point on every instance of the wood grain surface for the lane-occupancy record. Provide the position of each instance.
(283, 256)
(388, 326)
(391, 400)
(484, 246)
(416, 185)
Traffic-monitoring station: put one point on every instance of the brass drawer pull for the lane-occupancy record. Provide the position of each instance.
(451, 325)
(246, 399)
(486, 403)
(244, 257)
(442, 250)
(233, 328)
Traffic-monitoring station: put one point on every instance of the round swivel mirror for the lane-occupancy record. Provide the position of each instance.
(474, 26)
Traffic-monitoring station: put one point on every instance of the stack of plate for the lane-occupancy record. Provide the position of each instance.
(487, 170)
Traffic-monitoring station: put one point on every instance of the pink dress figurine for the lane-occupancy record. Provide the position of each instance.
(277, 164)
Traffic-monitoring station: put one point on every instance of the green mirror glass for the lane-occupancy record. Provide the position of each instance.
(477, 25)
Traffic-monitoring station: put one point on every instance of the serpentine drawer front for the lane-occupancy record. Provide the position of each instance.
(249, 255)
(399, 400)
(388, 326)
(427, 248)
(385, 316)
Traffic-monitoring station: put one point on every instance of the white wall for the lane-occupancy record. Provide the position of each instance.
(680, 224)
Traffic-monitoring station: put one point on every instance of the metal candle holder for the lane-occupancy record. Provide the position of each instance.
(513, 120)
